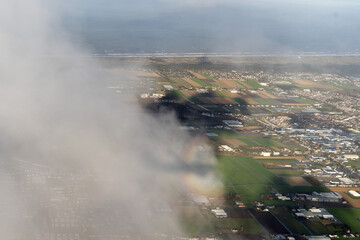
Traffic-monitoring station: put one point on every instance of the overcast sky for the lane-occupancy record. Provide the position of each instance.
(214, 25)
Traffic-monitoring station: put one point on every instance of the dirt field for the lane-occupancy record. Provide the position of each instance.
(191, 82)
(198, 75)
(147, 74)
(250, 101)
(227, 83)
(246, 85)
(354, 202)
(234, 142)
(269, 95)
(189, 93)
(296, 181)
(232, 95)
(221, 100)
(308, 83)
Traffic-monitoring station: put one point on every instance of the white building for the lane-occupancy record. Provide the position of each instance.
(265, 154)
(354, 193)
(219, 213)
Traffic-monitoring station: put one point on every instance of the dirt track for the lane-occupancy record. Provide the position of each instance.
(354, 202)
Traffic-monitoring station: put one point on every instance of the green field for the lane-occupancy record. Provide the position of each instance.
(253, 83)
(246, 176)
(354, 164)
(224, 133)
(262, 101)
(202, 83)
(277, 160)
(303, 100)
(348, 216)
(289, 220)
(286, 172)
(220, 94)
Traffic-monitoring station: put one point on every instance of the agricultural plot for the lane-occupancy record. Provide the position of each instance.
(229, 134)
(304, 83)
(196, 222)
(203, 82)
(289, 221)
(262, 101)
(247, 177)
(192, 83)
(283, 172)
(296, 181)
(348, 216)
(178, 82)
(344, 192)
(253, 84)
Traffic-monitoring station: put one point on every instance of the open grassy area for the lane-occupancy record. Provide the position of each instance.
(286, 172)
(225, 133)
(262, 101)
(253, 83)
(277, 160)
(303, 100)
(289, 220)
(202, 83)
(354, 164)
(220, 94)
(246, 176)
(348, 216)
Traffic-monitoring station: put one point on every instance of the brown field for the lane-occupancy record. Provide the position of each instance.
(221, 100)
(247, 85)
(260, 94)
(189, 93)
(227, 83)
(147, 74)
(231, 95)
(234, 142)
(279, 157)
(267, 95)
(296, 181)
(354, 202)
(308, 83)
(198, 76)
(250, 101)
(191, 82)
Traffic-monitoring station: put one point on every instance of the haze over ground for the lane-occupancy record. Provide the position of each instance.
(216, 26)
(71, 148)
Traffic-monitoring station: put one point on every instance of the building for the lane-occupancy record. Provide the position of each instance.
(324, 197)
(265, 154)
(354, 193)
(219, 213)
(233, 123)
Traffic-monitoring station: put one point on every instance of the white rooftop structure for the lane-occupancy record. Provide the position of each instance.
(351, 156)
(168, 87)
(354, 193)
(346, 181)
(219, 213)
(226, 148)
(233, 123)
(201, 200)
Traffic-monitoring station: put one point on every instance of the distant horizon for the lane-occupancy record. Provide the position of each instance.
(219, 54)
